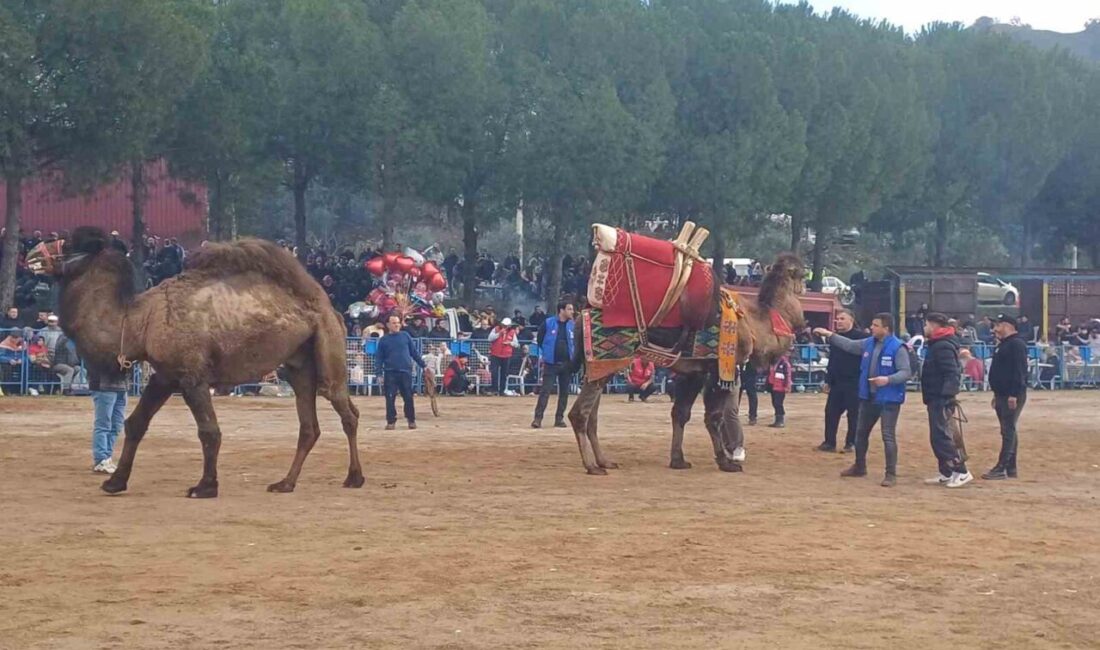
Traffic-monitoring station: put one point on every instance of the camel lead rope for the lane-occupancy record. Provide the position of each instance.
(123, 362)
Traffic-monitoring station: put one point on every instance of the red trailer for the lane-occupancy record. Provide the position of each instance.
(173, 208)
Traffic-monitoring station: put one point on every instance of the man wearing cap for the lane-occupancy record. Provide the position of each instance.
(939, 382)
(1008, 379)
(502, 342)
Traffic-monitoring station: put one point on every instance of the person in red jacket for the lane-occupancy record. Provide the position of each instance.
(502, 344)
(455, 382)
(640, 379)
(779, 384)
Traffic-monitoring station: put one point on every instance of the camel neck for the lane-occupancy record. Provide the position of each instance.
(94, 307)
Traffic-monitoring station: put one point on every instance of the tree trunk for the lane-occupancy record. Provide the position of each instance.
(718, 250)
(796, 233)
(215, 217)
(553, 286)
(940, 244)
(469, 248)
(138, 195)
(1025, 244)
(1094, 254)
(301, 183)
(818, 259)
(9, 252)
(389, 207)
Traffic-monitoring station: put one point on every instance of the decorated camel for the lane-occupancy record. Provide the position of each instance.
(237, 313)
(659, 299)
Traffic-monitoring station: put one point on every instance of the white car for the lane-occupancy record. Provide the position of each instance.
(834, 285)
(993, 290)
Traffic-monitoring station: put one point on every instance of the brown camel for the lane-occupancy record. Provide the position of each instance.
(782, 285)
(237, 313)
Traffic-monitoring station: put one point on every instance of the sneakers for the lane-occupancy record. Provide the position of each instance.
(739, 454)
(391, 426)
(560, 424)
(890, 480)
(412, 425)
(998, 473)
(939, 480)
(826, 447)
(511, 393)
(105, 466)
(854, 471)
(848, 449)
(958, 480)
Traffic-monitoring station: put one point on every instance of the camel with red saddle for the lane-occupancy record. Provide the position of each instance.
(659, 299)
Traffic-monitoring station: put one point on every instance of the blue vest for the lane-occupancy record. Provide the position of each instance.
(551, 341)
(890, 393)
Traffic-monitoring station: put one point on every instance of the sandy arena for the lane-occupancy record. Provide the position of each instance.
(477, 532)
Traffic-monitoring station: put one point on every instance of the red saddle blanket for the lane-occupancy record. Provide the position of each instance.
(654, 261)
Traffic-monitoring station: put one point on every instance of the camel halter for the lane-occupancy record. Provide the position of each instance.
(123, 362)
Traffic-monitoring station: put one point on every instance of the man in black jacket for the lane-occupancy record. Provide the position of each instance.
(842, 385)
(939, 384)
(1008, 379)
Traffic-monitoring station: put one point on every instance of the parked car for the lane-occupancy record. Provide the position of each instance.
(834, 285)
(993, 290)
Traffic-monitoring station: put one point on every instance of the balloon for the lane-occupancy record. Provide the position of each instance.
(375, 266)
(389, 259)
(414, 272)
(404, 264)
(430, 269)
(437, 283)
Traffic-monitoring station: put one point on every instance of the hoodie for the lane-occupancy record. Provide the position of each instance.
(941, 372)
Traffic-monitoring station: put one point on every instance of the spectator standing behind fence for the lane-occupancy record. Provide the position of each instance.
(108, 387)
(939, 383)
(1008, 380)
(883, 370)
(394, 361)
(779, 384)
(503, 341)
(842, 385)
(11, 360)
(640, 379)
(556, 338)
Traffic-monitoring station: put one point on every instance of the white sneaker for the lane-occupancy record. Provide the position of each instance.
(33, 392)
(112, 465)
(959, 480)
(104, 467)
(510, 393)
(739, 454)
(939, 480)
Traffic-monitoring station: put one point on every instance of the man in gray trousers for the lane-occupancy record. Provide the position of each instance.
(1008, 378)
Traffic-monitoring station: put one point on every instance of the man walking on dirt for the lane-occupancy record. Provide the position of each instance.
(556, 340)
(842, 385)
(1008, 379)
(883, 371)
(940, 376)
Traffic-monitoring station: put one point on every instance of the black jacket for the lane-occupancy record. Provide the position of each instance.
(844, 366)
(1008, 372)
(941, 372)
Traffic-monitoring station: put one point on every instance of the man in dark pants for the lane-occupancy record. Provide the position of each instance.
(748, 387)
(1008, 379)
(556, 340)
(883, 371)
(939, 385)
(394, 360)
(842, 385)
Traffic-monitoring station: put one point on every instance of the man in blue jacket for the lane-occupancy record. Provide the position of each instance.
(394, 361)
(557, 341)
(883, 371)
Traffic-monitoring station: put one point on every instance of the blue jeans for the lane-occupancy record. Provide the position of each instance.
(110, 414)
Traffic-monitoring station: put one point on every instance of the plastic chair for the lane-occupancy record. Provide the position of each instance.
(518, 379)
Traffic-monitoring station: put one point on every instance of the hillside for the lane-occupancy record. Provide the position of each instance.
(1085, 44)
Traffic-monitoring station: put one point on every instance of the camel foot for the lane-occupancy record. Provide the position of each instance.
(597, 471)
(727, 465)
(609, 465)
(113, 485)
(203, 491)
(354, 480)
(282, 486)
(679, 464)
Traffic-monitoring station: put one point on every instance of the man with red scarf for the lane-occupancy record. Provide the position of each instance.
(939, 383)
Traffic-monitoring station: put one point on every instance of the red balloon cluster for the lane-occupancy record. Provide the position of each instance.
(428, 273)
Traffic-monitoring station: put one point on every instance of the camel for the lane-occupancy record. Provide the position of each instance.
(238, 312)
(756, 339)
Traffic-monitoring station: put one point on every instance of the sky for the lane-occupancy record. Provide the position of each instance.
(1055, 15)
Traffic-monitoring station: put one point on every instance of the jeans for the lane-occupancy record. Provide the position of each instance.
(399, 382)
(110, 415)
(554, 373)
(1008, 419)
(842, 398)
(870, 412)
(943, 443)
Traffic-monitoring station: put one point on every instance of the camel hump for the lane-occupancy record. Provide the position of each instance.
(258, 256)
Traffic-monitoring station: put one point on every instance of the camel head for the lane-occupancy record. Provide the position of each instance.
(785, 276)
(62, 257)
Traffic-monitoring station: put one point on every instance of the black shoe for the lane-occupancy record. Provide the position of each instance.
(1012, 472)
(848, 449)
(854, 471)
(778, 424)
(752, 422)
(560, 424)
(825, 447)
(996, 474)
(630, 399)
(536, 424)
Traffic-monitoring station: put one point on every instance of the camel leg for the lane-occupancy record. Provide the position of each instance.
(349, 418)
(304, 383)
(202, 409)
(152, 399)
(723, 426)
(584, 408)
(688, 386)
(593, 439)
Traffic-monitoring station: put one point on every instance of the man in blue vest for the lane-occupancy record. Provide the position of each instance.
(557, 342)
(883, 371)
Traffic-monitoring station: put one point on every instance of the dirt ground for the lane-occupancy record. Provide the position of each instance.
(477, 532)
